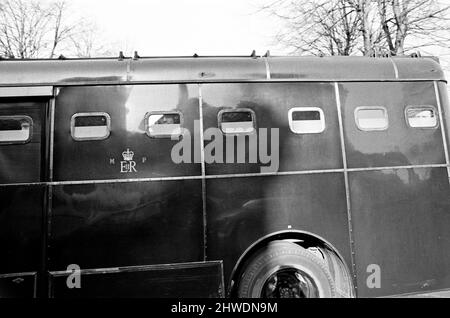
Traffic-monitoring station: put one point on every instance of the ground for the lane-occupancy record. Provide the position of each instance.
(440, 294)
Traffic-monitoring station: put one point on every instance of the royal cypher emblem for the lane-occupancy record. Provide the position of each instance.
(127, 165)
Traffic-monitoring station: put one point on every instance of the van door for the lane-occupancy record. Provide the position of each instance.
(122, 199)
(22, 196)
(21, 140)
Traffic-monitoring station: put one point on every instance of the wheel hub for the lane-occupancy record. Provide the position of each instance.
(289, 283)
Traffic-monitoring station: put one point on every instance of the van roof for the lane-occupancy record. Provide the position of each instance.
(15, 72)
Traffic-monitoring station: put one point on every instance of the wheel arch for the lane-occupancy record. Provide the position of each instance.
(303, 238)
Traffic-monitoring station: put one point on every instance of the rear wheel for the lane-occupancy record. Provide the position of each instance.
(285, 270)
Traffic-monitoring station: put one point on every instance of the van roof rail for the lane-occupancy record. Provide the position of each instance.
(253, 55)
(122, 57)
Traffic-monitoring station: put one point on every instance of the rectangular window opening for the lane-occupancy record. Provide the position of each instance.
(237, 121)
(90, 126)
(15, 129)
(371, 118)
(164, 124)
(306, 120)
(421, 117)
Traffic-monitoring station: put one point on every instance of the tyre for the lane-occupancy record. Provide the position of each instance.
(341, 277)
(285, 270)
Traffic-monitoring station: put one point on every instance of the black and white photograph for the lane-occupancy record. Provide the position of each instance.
(224, 149)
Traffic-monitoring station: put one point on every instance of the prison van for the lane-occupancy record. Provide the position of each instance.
(235, 176)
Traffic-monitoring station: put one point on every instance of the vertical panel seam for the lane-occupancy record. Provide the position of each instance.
(202, 162)
(128, 71)
(441, 122)
(49, 191)
(35, 286)
(266, 62)
(346, 182)
(395, 67)
(52, 134)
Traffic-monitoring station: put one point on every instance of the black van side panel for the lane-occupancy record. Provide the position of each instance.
(22, 163)
(108, 224)
(261, 206)
(21, 213)
(400, 216)
(399, 144)
(123, 224)
(241, 210)
(22, 207)
(402, 221)
(127, 106)
(271, 103)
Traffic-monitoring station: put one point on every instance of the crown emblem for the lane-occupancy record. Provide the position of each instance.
(127, 155)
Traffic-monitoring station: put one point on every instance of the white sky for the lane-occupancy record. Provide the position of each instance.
(176, 27)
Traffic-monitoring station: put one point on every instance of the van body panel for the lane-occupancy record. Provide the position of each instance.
(212, 68)
(119, 224)
(21, 232)
(271, 103)
(22, 162)
(429, 68)
(407, 213)
(337, 68)
(197, 279)
(399, 144)
(260, 206)
(49, 72)
(127, 107)
(18, 285)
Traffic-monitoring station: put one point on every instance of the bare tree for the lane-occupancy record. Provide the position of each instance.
(324, 27)
(346, 27)
(61, 29)
(369, 29)
(23, 26)
(29, 29)
(87, 43)
(413, 24)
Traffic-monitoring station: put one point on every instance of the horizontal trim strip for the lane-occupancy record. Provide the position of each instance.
(442, 165)
(224, 176)
(266, 174)
(138, 268)
(26, 91)
(10, 275)
(272, 80)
